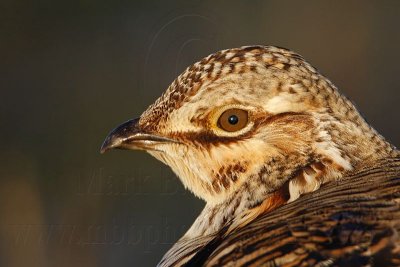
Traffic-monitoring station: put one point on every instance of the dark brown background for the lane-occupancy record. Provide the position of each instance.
(72, 70)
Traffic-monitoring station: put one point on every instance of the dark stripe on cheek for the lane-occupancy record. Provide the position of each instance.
(205, 138)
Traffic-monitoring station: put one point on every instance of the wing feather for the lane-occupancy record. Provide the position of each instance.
(351, 222)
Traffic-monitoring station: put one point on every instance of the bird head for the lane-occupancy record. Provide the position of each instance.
(252, 118)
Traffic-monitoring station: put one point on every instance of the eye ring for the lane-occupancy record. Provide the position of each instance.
(233, 120)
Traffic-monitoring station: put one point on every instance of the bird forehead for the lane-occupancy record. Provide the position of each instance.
(216, 71)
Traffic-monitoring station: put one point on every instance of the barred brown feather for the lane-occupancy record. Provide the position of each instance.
(292, 176)
(351, 222)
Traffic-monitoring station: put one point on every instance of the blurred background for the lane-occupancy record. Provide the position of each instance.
(72, 70)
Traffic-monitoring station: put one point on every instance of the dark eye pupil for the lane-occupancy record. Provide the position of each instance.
(233, 119)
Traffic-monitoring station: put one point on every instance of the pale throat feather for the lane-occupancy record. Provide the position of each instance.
(253, 199)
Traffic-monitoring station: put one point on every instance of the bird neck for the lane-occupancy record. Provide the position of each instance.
(252, 200)
(255, 196)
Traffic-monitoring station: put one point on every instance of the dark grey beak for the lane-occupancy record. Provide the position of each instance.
(129, 136)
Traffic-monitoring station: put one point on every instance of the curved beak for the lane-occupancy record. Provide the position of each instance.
(129, 136)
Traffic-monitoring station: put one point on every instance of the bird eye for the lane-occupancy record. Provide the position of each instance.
(233, 120)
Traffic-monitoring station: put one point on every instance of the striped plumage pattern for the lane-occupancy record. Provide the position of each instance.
(351, 222)
(291, 173)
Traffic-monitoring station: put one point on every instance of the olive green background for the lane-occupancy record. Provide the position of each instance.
(72, 70)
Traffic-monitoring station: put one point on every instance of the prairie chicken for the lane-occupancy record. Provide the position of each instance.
(291, 173)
